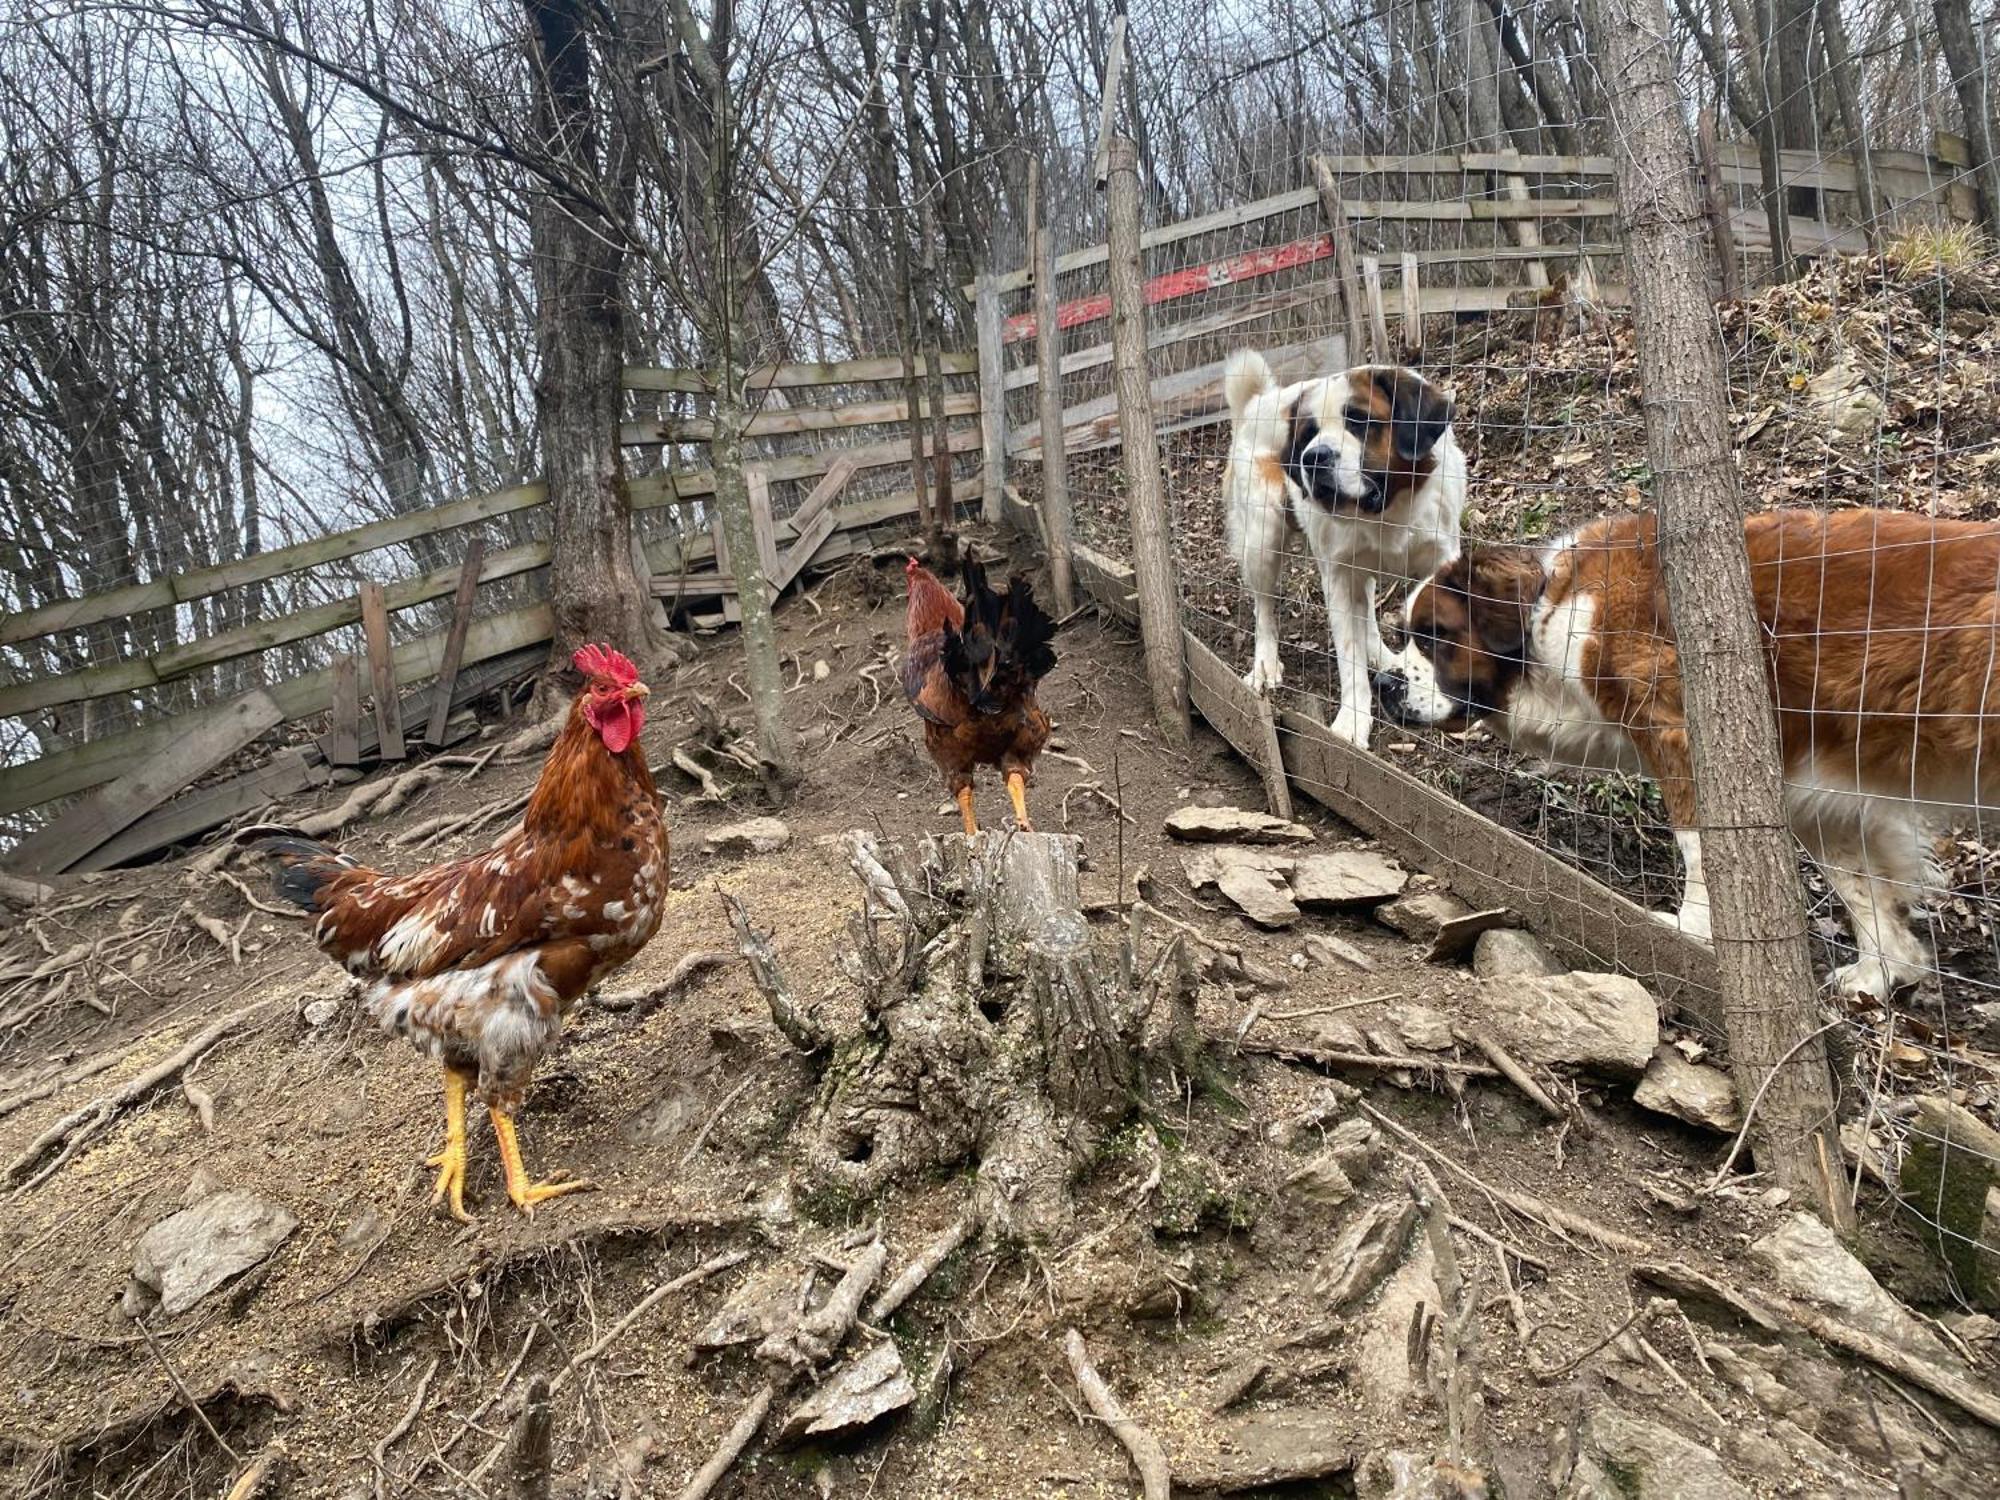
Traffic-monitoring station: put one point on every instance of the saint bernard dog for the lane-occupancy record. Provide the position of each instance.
(1882, 641)
(1365, 465)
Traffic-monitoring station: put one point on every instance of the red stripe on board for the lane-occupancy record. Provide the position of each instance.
(1185, 283)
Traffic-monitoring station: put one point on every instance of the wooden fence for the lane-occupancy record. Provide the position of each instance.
(130, 776)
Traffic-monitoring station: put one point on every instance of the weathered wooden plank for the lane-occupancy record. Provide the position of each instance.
(1241, 717)
(793, 376)
(761, 524)
(342, 744)
(186, 756)
(652, 491)
(71, 771)
(192, 814)
(1587, 922)
(992, 386)
(823, 495)
(1107, 106)
(1409, 297)
(333, 547)
(800, 553)
(792, 419)
(382, 671)
(1378, 317)
(454, 641)
(1333, 208)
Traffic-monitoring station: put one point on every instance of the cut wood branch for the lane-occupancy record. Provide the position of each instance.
(1148, 1457)
(713, 1266)
(803, 1029)
(816, 1337)
(77, 1129)
(1511, 1069)
(733, 1443)
(1331, 1057)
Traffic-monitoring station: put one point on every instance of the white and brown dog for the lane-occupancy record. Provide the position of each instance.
(1880, 633)
(1365, 465)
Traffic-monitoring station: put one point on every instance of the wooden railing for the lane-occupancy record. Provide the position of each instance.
(683, 567)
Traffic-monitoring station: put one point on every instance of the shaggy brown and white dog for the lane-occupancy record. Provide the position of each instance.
(1882, 637)
(1365, 465)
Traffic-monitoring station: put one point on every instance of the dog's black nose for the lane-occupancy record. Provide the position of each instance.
(1389, 688)
(1319, 474)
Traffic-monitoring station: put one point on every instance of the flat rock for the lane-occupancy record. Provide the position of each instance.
(867, 1387)
(1809, 1261)
(1502, 952)
(1338, 1034)
(760, 1307)
(1623, 1457)
(1205, 866)
(1347, 879)
(1227, 825)
(1423, 1029)
(1605, 1023)
(1688, 1091)
(1322, 1180)
(1267, 1448)
(1259, 895)
(751, 836)
(187, 1255)
(1354, 1143)
(1421, 915)
(1379, 1363)
(1325, 948)
(1456, 937)
(1366, 1251)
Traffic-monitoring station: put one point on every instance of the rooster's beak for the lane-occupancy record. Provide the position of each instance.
(638, 690)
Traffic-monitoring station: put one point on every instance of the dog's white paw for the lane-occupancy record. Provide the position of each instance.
(1876, 979)
(1264, 677)
(1352, 725)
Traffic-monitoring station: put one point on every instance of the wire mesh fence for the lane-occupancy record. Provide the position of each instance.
(1853, 279)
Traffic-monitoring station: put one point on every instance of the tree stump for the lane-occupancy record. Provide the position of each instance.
(994, 1030)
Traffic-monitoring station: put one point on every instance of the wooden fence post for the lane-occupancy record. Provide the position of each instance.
(992, 396)
(1378, 318)
(1333, 208)
(1152, 550)
(1747, 850)
(382, 671)
(343, 741)
(454, 641)
(1411, 296)
(1056, 526)
(1526, 233)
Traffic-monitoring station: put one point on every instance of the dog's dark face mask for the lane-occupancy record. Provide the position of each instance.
(1465, 639)
(1360, 442)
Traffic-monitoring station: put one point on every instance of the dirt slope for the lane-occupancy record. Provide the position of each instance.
(1198, 1246)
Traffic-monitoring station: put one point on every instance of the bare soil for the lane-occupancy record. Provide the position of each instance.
(1192, 1253)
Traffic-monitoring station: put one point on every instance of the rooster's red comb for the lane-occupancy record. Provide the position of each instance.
(602, 661)
(912, 568)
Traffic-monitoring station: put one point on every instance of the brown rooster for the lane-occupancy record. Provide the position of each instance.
(477, 961)
(970, 672)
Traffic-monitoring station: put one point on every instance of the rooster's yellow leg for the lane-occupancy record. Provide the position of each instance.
(1017, 789)
(527, 1194)
(450, 1162)
(965, 811)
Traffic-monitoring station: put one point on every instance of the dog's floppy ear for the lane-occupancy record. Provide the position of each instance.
(1499, 585)
(1418, 411)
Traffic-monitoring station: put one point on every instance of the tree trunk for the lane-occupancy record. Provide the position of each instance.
(764, 677)
(992, 1033)
(1152, 549)
(1789, 43)
(1965, 59)
(579, 335)
(1845, 78)
(925, 293)
(1757, 911)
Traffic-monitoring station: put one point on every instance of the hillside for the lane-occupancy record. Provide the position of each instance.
(1246, 1259)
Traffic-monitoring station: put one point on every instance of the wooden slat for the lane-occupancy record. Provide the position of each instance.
(1587, 922)
(382, 671)
(1409, 298)
(761, 526)
(335, 546)
(192, 814)
(823, 494)
(792, 376)
(1378, 317)
(343, 742)
(84, 766)
(1241, 717)
(992, 383)
(652, 491)
(1107, 108)
(175, 764)
(800, 553)
(792, 419)
(454, 642)
(1163, 336)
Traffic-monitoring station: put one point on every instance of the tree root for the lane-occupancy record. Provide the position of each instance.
(1148, 1457)
(803, 1029)
(733, 1443)
(639, 1004)
(80, 1127)
(914, 1275)
(813, 1339)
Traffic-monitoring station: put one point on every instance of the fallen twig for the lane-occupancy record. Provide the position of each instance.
(918, 1271)
(1332, 1010)
(715, 1116)
(733, 1443)
(1750, 1114)
(1545, 1376)
(395, 1435)
(76, 1129)
(643, 1002)
(290, 913)
(266, 1474)
(1522, 1203)
(713, 1266)
(187, 1396)
(1517, 1075)
(1148, 1457)
(711, 789)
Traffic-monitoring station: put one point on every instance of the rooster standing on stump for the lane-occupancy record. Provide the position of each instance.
(970, 672)
(476, 961)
